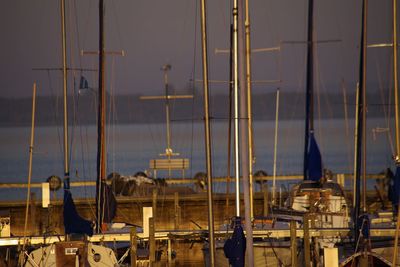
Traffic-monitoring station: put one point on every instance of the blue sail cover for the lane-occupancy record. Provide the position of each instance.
(314, 167)
(110, 204)
(235, 247)
(73, 223)
(394, 189)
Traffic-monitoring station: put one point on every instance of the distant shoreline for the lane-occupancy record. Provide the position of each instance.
(129, 109)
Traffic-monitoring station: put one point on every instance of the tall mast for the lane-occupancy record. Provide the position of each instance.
(236, 105)
(249, 104)
(64, 73)
(396, 97)
(360, 134)
(101, 156)
(228, 180)
(246, 157)
(396, 82)
(207, 133)
(275, 147)
(309, 124)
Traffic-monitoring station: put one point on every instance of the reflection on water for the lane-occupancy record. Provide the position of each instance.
(130, 147)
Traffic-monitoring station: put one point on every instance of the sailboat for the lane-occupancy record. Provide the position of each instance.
(378, 251)
(317, 193)
(321, 200)
(76, 249)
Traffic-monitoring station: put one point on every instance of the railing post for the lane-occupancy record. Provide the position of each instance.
(133, 246)
(293, 243)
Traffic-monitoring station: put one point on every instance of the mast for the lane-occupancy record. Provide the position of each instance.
(397, 126)
(246, 154)
(309, 123)
(101, 157)
(360, 134)
(207, 133)
(275, 147)
(228, 181)
(396, 82)
(64, 71)
(236, 105)
(251, 158)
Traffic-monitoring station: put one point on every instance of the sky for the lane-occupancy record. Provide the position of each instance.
(156, 32)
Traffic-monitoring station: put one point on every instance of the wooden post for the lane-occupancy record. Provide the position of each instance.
(133, 247)
(33, 222)
(152, 242)
(306, 238)
(171, 262)
(266, 203)
(293, 243)
(154, 203)
(177, 210)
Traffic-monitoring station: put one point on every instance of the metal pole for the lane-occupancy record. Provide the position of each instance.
(360, 125)
(396, 99)
(249, 105)
(28, 194)
(101, 157)
(275, 147)
(64, 70)
(236, 104)
(207, 133)
(396, 81)
(228, 180)
(356, 153)
(244, 144)
(309, 124)
(364, 107)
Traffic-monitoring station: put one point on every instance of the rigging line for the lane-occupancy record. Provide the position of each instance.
(385, 106)
(346, 123)
(56, 98)
(72, 62)
(317, 86)
(223, 15)
(114, 10)
(113, 109)
(381, 87)
(86, 24)
(77, 32)
(86, 195)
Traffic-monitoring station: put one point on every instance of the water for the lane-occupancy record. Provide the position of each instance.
(130, 147)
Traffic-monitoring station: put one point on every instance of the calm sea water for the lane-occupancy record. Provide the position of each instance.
(130, 147)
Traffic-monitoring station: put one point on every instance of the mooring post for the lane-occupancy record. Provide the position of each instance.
(152, 242)
(171, 261)
(154, 204)
(266, 202)
(306, 239)
(293, 243)
(177, 210)
(133, 246)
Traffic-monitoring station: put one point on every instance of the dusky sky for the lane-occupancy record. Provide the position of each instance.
(155, 32)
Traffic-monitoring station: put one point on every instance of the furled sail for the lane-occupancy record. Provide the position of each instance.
(73, 222)
(235, 247)
(314, 168)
